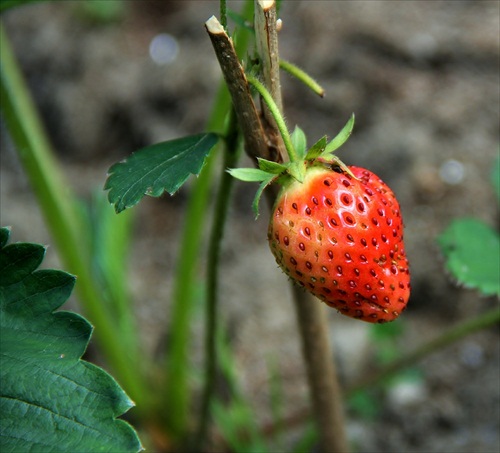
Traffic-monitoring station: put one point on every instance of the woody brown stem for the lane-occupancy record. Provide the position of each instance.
(324, 386)
(326, 396)
(234, 75)
(266, 39)
(267, 46)
(378, 376)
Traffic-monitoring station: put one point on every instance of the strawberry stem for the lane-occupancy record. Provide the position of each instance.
(278, 117)
(303, 76)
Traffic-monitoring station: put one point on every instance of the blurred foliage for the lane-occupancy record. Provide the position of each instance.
(365, 403)
(7, 4)
(472, 249)
(101, 11)
(495, 176)
(472, 252)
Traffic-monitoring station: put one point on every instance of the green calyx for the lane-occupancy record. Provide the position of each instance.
(300, 157)
(319, 154)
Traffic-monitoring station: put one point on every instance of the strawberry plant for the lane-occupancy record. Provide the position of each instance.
(336, 230)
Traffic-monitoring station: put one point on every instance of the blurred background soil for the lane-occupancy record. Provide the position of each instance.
(423, 81)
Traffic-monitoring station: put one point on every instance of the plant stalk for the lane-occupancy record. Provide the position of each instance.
(63, 220)
(213, 266)
(176, 394)
(380, 375)
(325, 389)
(313, 326)
(277, 115)
(266, 40)
(448, 337)
(236, 81)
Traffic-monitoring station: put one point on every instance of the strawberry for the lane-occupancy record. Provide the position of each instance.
(335, 230)
(341, 238)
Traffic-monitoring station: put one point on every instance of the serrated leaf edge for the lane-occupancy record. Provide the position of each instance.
(54, 311)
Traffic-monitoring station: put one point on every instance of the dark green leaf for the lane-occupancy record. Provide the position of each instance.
(472, 252)
(50, 399)
(4, 236)
(19, 260)
(341, 137)
(156, 169)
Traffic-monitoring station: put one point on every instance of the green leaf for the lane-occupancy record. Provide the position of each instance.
(254, 175)
(341, 137)
(249, 174)
(271, 167)
(258, 195)
(472, 252)
(19, 260)
(317, 149)
(158, 168)
(4, 236)
(299, 142)
(50, 399)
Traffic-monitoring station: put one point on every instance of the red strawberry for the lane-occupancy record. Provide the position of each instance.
(341, 238)
(337, 233)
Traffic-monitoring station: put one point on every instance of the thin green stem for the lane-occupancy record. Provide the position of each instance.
(223, 13)
(448, 337)
(58, 206)
(324, 387)
(278, 117)
(176, 399)
(303, 76)
(213, 264)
